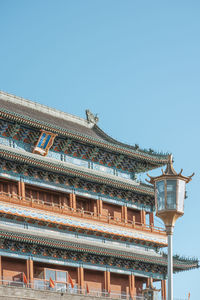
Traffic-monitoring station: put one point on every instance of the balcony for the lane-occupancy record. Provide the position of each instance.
(80, 213)
(10, 289)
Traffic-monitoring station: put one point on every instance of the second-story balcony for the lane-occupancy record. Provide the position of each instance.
(103, 222)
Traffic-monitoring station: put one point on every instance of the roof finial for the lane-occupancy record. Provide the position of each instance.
(91, 118)
(170, 169)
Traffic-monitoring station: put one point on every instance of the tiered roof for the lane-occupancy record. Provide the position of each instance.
(65, 125)
(24, 120)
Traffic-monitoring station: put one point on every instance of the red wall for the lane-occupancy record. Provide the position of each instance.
(94, 279)
(133, 213)
(114, 210)
(8, 186)
(12, 267)
(119, 283)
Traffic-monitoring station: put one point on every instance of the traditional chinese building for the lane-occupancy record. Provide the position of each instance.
(72, 213)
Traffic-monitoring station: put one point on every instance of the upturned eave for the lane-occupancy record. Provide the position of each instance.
(97, 138)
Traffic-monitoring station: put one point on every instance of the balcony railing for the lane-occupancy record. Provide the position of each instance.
(66, 288)
(66, 210)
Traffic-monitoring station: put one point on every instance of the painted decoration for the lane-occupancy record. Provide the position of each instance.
(44, 143)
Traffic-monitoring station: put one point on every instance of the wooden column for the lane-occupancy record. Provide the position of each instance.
(132, 285)
(148, 282)
(151, 219)
(163, 290)
(99, 207)
(21, 189)
(124, 213)
(29, 272)
(107, 281)
(143, 217)
(81, 278)
(1, 270)
(72, 201)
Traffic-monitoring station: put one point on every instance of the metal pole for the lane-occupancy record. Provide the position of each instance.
(170, 265)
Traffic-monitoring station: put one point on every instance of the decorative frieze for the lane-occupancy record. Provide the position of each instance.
(77, 183)
(74, 148)
(49, 248)
(43, 250)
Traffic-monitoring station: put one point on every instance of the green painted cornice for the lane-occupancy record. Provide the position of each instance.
(72, 170)
(179, 265)
(156, 159)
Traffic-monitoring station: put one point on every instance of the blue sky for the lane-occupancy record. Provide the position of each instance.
(135, 63)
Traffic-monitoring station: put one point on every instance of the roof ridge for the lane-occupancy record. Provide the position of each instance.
(45, 109)
(73, 126)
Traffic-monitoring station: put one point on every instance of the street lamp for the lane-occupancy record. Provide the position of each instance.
(169, 200)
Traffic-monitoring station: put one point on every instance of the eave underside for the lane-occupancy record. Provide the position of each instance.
(74, 252)
(50, 171)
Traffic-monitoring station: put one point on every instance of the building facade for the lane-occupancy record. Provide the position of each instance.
(74, 217)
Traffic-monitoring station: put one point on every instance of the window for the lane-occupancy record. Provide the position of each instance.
(160, 193)
(61, 276)
(50, 274)
(171, 194)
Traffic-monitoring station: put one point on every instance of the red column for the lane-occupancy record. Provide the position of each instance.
(21, 189)
(163, 290)
(143, 217)
(0, 271)
(124, 213)
(81, 278)
(107, 281)
(100, 206)
(132, 285)
(151, 219)
(29, 272)
(72, 201)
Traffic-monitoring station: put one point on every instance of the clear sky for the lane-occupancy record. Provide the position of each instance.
(135, 63)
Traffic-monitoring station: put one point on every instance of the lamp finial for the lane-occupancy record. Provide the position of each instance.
(170, 169)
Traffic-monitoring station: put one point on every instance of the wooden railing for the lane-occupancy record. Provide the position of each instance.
(80, 213)
(8, 282)
(63, 289)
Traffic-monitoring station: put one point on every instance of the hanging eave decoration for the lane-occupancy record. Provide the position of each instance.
(44, 143)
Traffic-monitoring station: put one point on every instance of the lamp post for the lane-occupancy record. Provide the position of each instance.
(169, 201)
